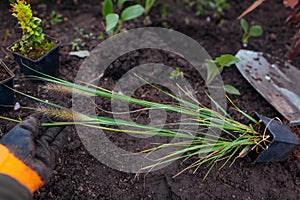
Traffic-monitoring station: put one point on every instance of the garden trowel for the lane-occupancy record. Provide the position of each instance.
(277, 81)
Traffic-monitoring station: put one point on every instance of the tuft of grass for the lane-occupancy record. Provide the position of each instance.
(236, 140)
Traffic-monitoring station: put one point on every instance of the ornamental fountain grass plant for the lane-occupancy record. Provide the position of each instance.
(236, 141)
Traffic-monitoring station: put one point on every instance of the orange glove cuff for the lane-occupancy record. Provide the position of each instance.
(17, 169)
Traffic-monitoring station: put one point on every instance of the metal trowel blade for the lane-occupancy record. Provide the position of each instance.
(277, 81)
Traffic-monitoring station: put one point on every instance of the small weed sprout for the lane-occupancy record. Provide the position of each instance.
(81, 32)
(101, 36)
(79, 42)
(218, 7)
(250, 31)
(55, 18)
(177, 73)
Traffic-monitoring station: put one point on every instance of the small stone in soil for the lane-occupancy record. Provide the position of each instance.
(17, 106)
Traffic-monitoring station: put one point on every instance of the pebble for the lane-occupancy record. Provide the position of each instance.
(80, 188)
(272, 36)
(17, 106)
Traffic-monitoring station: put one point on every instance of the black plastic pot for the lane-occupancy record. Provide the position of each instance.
(283, 143)
(47, 64)
(6, 94)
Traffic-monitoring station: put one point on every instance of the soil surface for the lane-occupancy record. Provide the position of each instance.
(4, 74)
(78, 175)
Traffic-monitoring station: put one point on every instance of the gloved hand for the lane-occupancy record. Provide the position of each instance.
(28, 157)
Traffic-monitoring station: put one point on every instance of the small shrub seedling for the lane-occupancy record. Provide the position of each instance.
(113, 19)
(33, 43)
(215, 67)
(250, 31)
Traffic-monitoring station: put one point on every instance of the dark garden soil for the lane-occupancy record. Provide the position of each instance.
(78, 175)
(3, 74)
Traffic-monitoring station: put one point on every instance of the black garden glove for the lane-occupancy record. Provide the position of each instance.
(29, 155)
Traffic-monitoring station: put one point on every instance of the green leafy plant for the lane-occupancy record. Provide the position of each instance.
(236, 141)
(107, 7)
(231, 89)
(33, 43)
(77, 44)
(250, 31)
(164, 10)
(132, 12)
(177, 73)
(218, 7)
(148, 5)
(121, 3)
(80, 41)
(55, 18)
(101, 36)
(114, 21)
(215, 67)
(83, 34)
